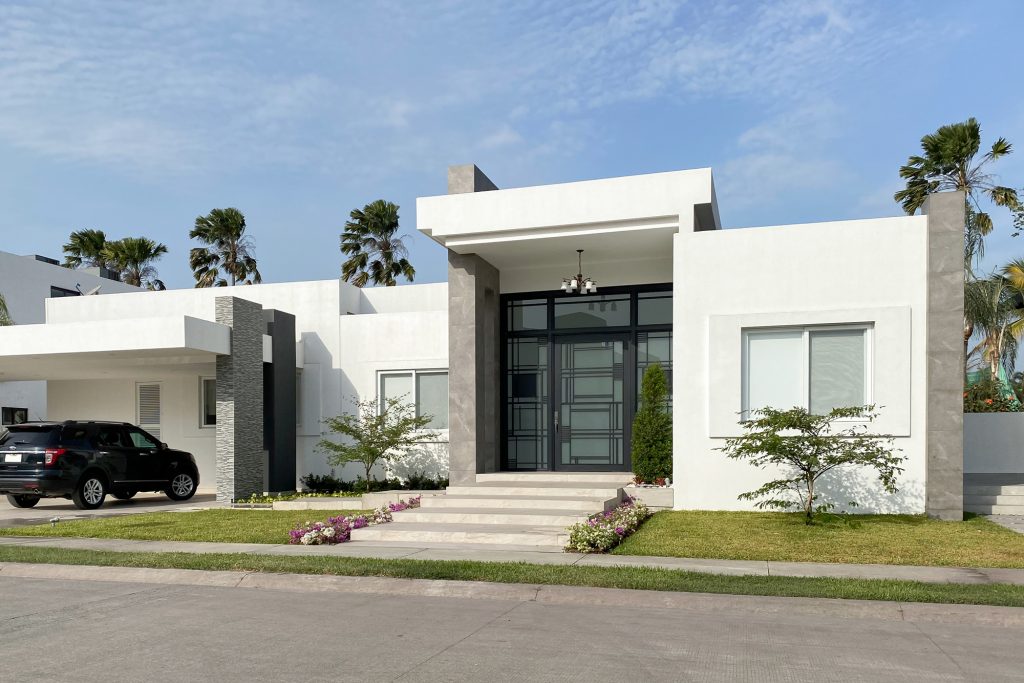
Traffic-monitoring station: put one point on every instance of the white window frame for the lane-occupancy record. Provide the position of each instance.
(806, 330)
(202, 402)
(381, 374)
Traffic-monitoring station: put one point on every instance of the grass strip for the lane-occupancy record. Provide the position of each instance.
(555, 575)
(854, 539)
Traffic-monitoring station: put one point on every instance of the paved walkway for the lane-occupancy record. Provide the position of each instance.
(368, 549)
(1012, 522)
(47, 508)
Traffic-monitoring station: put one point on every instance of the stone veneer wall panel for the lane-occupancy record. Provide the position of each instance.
(944, 430)
(240, 454)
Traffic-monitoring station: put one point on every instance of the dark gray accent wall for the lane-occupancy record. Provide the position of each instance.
(240, 456)
(279, 401)
(474, 381)
(944, 430)
(468, 178)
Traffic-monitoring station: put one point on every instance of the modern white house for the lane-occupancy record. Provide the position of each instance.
(26, 283)
(529, 358)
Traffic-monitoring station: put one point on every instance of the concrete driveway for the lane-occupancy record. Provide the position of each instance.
(48, 508)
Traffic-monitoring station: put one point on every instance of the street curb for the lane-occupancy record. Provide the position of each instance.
(755, 606)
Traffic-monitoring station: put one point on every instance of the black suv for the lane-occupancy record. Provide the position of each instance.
(84, 461)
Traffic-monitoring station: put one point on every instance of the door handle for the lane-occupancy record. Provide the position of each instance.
(556, 419)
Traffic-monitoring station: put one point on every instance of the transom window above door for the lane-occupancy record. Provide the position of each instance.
(817, 368)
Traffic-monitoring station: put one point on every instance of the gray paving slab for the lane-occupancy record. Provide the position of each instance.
(731, 567)
(880, 571)
(1012, 522)
(48, 508)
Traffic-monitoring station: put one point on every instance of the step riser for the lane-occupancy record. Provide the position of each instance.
(488, 518)
(383, 534)
(577, 479)
(994, 500)
(993, 490)
(583, 505)
(995, 509)
(528, 492)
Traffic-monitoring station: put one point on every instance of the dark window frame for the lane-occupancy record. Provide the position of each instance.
(551, 333)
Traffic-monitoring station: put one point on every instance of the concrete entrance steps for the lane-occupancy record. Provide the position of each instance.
(506, 509)
(991, 494)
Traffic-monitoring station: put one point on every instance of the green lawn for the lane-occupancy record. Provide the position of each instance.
(871, 539)
(603, 577)
(228, 526)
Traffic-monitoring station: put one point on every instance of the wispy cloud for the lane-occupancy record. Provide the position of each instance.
(190, 85)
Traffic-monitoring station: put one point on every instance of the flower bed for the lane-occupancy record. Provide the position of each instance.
(605, 530)
(339, 529)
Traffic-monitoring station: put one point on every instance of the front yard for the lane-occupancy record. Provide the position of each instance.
(859, 539)
(222, 526)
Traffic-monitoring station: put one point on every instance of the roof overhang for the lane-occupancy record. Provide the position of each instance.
(632, 218)
(110, 348)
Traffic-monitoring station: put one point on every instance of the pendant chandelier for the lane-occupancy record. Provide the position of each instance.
(577, 283)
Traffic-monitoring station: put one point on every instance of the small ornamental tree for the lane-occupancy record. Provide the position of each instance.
(810, 446)
(652, 428)
(375, 432)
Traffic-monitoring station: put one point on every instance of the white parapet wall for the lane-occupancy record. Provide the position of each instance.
(994, 443)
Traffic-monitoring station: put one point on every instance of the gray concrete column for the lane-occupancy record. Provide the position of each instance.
(468, 178)
(474, 366)
(240, 455)
(944, 420)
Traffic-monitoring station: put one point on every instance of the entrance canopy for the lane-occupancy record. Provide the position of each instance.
(109, 348)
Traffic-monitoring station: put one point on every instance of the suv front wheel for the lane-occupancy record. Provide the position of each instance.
(182, 487)
(90, 492)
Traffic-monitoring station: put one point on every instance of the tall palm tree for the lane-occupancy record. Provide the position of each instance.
(375, 253)
(134, 257)
(949, 164)
(5, 315)
(86, 248)
(229, 251)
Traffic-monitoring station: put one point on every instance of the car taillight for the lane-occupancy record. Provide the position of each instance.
(52, 455)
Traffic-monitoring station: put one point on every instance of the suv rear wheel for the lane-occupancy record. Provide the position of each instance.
(23, 501)
(90, 492)
(182, 487)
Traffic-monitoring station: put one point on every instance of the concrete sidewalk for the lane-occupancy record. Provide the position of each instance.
(368, 549)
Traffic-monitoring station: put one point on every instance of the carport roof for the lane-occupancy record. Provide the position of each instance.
(109, 348)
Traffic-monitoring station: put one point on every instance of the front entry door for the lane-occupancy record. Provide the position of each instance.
(591, 424)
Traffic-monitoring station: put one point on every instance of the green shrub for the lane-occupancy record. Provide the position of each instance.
(324, 483)
(989, 396)
(652, 428)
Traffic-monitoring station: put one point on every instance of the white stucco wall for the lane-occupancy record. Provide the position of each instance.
(870, 271)
(25, 284)
(114, 399)
(994, 443)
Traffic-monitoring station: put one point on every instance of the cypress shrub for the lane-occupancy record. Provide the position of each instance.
(652, 428)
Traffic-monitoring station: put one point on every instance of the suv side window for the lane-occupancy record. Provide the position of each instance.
(111, 436)
(75, 437)
(140, 439)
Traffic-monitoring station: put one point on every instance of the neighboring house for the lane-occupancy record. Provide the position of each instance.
(539, 379)
(26, 283)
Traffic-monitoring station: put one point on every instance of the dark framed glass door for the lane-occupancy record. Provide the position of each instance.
(591, 408)
(570, 371)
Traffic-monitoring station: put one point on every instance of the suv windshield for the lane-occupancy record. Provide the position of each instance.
(23, 435)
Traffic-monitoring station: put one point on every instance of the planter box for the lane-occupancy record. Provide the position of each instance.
(367, 501)
(655, 497)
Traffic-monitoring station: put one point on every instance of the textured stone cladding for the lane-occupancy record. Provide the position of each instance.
(944, 472)
(240, 457)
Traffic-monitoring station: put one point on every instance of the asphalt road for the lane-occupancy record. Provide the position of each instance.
(57, 630)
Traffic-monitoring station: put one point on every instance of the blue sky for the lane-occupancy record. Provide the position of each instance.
(137, 117)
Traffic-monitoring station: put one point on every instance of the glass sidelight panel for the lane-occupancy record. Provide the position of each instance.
(591, 403)
(527, 405)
